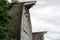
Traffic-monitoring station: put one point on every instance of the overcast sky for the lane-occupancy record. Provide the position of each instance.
(45, 16)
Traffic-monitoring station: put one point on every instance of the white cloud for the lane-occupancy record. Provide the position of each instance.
(41, 3)
(45, 15)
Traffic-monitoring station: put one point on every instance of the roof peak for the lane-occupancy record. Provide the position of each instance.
(26, 0)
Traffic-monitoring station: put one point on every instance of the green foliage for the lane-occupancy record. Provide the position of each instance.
(4, 18)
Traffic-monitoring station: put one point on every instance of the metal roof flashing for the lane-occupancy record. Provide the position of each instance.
(40, 32)
(29, 4)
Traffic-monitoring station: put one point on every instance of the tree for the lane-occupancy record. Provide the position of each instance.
(4, 18)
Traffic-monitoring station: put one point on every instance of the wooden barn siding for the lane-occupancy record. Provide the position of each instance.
(38, 36)
(15, 23)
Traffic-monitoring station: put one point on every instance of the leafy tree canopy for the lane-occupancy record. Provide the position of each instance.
(4, 22)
